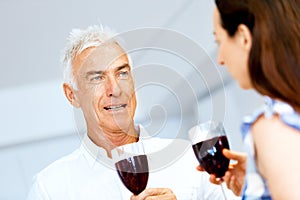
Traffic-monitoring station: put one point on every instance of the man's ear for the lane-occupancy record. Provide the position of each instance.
(244, 37)
(71, 96)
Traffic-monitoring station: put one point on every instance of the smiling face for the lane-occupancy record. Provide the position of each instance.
(105, 88)
(234, 51)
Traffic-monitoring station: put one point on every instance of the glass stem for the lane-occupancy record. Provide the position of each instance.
(223, 188)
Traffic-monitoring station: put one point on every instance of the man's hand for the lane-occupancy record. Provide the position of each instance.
(235, 176)
(155, 193)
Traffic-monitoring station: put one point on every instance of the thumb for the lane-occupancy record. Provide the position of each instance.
(234, 155)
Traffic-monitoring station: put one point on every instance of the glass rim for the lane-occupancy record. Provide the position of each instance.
(206, 128)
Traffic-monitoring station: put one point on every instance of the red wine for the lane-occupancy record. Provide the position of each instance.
(210, 156)
(134, 173)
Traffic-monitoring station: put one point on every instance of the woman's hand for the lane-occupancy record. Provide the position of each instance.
(235, 175)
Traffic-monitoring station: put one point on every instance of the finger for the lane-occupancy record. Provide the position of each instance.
(141, 196)
(214, 180)
(239, 156)
(158, 191)
(232, 185)
(235, 186)
(162, 197)
(199, 168)
(154, 193)
(226, 177)
(135, 197)
(229, 184)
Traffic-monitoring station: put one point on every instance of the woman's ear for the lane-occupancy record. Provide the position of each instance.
(71, 96)
(244, 36)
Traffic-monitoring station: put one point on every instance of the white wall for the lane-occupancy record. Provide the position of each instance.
(34, 112)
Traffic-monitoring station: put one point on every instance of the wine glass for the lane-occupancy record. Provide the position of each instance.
(132, 166)
(208, 140)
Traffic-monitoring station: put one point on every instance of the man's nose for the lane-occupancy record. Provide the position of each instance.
(112, 87)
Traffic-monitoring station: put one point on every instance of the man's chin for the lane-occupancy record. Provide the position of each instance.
(122, 125)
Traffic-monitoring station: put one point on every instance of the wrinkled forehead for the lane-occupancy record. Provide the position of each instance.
(102, 57)
(106, 55)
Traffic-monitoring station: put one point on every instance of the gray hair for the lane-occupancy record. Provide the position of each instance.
(79, 40)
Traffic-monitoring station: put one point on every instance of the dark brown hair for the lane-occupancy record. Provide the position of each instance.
(274, 61)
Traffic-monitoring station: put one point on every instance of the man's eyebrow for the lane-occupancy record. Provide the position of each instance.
(89, 73)
(123, 67)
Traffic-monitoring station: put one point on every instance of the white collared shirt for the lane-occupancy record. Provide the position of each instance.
(88, 174)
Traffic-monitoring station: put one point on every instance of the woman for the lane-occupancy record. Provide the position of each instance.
(259, 43)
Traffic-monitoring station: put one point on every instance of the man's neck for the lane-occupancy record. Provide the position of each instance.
(109, 139)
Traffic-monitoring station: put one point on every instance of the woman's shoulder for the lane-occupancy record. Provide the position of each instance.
(280, 113)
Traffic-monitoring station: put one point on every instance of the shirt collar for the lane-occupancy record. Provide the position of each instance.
(94, 154)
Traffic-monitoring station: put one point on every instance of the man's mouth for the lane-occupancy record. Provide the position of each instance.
(115, 107)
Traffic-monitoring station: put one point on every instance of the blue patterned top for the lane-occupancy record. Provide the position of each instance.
(255, 186)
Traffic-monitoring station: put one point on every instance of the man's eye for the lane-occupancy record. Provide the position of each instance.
(97, 78)
(123, 74)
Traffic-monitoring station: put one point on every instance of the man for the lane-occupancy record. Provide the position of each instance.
(98, 80)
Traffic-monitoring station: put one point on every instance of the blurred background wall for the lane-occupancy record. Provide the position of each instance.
(37, 125)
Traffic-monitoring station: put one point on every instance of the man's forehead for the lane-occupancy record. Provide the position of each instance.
(107, 48)
(103, 56)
